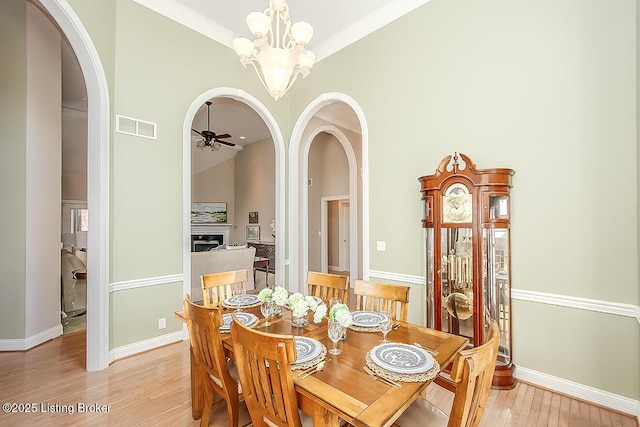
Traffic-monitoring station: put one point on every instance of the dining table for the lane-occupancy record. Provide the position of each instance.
(343, 389)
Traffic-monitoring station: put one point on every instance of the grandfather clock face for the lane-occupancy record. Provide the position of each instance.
(457, 204)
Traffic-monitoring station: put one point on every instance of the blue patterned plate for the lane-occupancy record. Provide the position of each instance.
(367, 319)
(307, 349)
(244, 300)
(244, 318)
(401, 358)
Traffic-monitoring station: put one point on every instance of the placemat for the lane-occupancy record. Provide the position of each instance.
(365, 329)
(409, 378)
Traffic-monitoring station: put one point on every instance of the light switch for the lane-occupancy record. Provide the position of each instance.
(381, 245)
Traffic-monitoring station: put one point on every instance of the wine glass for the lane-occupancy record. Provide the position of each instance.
(334, 301)
(266, 309)
(238, 291)
(385, 325)
(334, 331)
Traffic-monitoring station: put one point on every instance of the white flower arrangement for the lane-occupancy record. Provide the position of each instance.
(340, 313)
(278, 295)
(300, 304)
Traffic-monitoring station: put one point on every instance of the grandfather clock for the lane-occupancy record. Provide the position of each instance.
(468, 264)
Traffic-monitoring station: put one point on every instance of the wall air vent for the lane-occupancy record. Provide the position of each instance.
(135, 127)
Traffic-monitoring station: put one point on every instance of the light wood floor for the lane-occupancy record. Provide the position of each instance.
(154, 389)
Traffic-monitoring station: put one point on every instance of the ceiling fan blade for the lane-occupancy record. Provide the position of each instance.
(224, 135)
(198, 132)
(231, 144)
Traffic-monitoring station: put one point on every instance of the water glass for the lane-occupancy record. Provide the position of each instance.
(385, 326)
(238, 291)
(266, 308)
(334, 331)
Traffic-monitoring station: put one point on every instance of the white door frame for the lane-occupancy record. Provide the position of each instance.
(324, 231)
(98, 175)
(344, 218)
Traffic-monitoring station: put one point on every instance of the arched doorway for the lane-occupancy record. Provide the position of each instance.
(97, 180)
(278, 141)
(305, 130)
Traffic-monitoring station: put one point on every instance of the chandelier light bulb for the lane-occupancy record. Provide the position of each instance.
(307, 59)
(243, 47)
(259, 24)
(301, 32)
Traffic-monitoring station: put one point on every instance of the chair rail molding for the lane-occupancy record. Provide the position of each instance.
(143, 283)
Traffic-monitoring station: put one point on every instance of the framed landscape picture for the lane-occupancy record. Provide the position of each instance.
(253, 232)
(209, 212)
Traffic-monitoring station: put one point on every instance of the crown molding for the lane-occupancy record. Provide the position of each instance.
(187, 17)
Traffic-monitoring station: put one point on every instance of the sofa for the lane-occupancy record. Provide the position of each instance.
(73, 290)
(218, 260)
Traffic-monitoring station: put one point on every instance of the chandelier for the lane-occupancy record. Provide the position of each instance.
(278, 48)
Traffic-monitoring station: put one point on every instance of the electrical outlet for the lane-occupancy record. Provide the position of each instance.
(162, 323)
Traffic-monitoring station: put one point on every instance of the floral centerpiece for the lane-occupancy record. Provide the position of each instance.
(300, 305)
(340, 313)
(278, 296)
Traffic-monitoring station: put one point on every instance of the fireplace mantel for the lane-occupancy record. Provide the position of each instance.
(211, 228)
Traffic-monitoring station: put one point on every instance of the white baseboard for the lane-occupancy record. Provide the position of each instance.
(580, 391)
(145, 345)
(21, 344)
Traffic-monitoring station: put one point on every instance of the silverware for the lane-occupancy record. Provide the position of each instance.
(320, 366)
(380, 378)
(428, 350)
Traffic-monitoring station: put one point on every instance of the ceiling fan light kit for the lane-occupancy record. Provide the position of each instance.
(279, 48)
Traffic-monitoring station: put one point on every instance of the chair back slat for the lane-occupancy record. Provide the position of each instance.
(374, 296)
(216, 287)
(263, 362)
(472, 372)
(326, 286)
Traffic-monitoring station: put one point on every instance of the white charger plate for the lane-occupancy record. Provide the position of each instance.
(244, 300)
(244, 318)
(306, 349)
(401, 358)
(367, 319)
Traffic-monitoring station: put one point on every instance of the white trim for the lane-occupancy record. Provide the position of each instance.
(190, 19)
(608, 307)
(298, 190)
(98, 175)
(143, 283)
(278, 142)
(580, 391)
(22, 344)
(145, 345)
(397, 277)
(373, 22)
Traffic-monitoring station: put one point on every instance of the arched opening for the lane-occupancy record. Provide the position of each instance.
(278, 142)
(315, 119)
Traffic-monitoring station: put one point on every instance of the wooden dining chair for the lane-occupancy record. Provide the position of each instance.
(382, 297)
(218, 374)
(326, 286)
(472, 372)
(263, 362)
(216, 287)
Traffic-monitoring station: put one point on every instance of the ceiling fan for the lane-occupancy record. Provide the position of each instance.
(210, 138)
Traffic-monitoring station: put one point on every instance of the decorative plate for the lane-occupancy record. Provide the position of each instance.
(401, 358)
(244, 318)
(306, 349)
(367, 319)
(244, 300)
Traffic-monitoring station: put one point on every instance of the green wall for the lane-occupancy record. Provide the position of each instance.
(546, 88)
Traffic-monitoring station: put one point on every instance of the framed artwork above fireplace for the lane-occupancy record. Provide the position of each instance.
(208, 212)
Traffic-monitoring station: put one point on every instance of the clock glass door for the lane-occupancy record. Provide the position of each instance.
(456, 278)
(497, 287)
